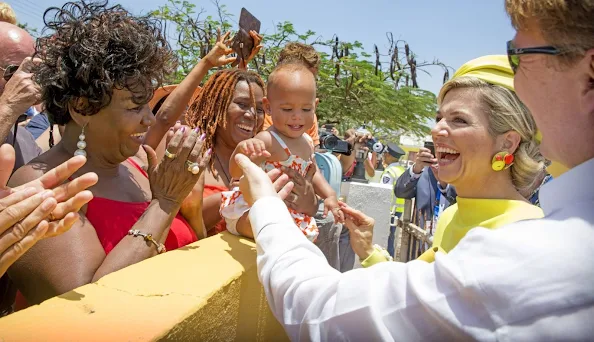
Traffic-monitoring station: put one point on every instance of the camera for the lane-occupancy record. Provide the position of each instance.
(375, 146)
(332, 143)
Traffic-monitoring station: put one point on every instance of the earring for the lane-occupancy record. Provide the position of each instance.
(81, 144)
(502, 161)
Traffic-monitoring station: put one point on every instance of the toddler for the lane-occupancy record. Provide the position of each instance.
(291, 101)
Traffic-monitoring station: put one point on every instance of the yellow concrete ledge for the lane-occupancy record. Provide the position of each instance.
(207, 291)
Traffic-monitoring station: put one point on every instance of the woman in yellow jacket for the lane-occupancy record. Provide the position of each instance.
(486, 147)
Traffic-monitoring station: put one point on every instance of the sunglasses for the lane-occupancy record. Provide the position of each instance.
(513, 53)
(9, 71)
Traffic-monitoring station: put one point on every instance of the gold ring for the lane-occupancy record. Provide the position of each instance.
(194, 168)
(170, 155)
(51, 217)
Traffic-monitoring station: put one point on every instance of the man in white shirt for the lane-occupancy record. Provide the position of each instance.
(529, 281)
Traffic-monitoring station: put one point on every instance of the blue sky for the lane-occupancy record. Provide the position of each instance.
(454, 31)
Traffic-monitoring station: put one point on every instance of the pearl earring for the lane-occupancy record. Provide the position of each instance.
(81, 144)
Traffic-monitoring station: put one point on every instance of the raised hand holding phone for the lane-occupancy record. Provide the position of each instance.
(247, 40)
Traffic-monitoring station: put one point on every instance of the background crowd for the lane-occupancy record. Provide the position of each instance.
(104, 166)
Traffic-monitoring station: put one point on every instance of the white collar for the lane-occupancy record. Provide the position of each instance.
(575, 185)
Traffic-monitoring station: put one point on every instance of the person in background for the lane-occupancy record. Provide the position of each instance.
(372, 156)
(392, 172)
(420, 182)
(7, 14)
(544, 178)
(38, 124)
(331, 129)
(348, 163)
(18, 91)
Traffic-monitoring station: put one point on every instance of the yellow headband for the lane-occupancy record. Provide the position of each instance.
(494, 69)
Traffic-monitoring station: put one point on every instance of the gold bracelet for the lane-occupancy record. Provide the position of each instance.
(148, 237)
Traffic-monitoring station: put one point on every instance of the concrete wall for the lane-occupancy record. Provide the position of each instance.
(207, 291)
(374, 200)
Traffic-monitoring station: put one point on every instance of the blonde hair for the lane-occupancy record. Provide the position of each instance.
(299, 52)
(507, 113)
(565, 24)
(7, 13)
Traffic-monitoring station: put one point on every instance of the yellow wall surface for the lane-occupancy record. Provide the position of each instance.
(207, 291)
(408, 150)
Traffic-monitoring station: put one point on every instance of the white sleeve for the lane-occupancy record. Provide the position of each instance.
(494, 285)
(412, 174)
(442, 190)
(313, 301)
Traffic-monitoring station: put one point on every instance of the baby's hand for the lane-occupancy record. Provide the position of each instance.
(331, 204)
(254, 149)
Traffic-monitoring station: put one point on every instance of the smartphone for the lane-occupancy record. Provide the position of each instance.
(430, 146)
(243, 44)
(328, 127)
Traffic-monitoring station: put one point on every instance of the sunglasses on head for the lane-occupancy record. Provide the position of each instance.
(9, 71)
(513, 53)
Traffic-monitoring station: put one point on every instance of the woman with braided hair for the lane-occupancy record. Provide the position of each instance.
(229, 110)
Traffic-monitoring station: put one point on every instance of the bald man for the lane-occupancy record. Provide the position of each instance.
(19, 93)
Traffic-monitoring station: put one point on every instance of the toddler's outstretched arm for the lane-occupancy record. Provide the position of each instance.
(325, 191)
(253, 148)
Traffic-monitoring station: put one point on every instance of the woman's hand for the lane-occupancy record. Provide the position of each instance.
(331, 205)
(257, 46)
(360, 231)
(176, 174)
(303, 197)
(217, 57)
(70, 196)
(33, 211)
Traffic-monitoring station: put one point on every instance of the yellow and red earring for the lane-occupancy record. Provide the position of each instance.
(502, 161)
